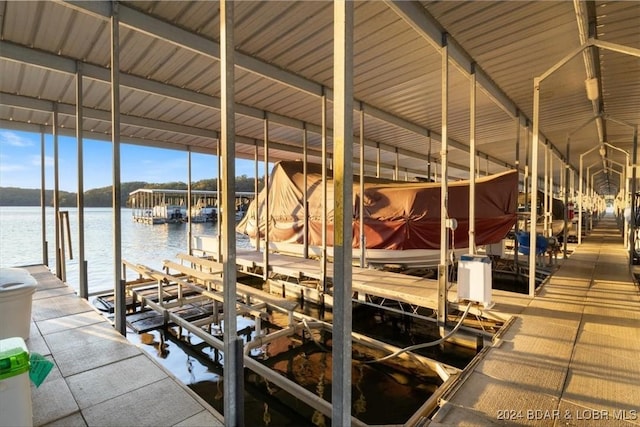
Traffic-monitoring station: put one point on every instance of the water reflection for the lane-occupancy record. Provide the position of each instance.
(306, 359)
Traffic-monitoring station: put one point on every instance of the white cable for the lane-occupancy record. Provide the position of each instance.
(428, 344)
(323, 348)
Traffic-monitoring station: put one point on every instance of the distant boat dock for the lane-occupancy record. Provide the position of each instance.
(162, 206)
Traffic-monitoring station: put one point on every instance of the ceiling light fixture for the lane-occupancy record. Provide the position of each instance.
(592, 88)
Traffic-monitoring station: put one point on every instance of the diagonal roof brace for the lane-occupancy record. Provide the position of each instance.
(147, 24)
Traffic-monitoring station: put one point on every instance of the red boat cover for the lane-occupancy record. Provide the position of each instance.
(397, 214)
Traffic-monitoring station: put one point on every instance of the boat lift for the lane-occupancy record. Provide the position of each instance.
(203, 277)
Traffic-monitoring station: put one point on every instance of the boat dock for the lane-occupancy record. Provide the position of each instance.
(567, 355)
(570, 357)
(99, 377)
(162, 206)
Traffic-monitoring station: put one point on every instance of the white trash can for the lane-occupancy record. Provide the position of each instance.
(16, 291)
(15, 390)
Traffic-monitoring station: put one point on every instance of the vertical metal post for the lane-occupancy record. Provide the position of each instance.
(443, 266)
(550, 190)
(120, 304)
(84, 286)
(429, 157)
(626, 199)
(56, 191)
(255, 192)
(472, 161)
(363, 243)
(565, 234)
(305, 192)
(323, 257)
(396, 171)
(233, 363)
(219, 209)
(527, 202)
(377, 160)
(189, 205)
(343, 208)
(267, 213)
(545, 199)
(580, 201)
(633, 225)
(516, 256)
(43, 201)
(534, 187)
(63, 264)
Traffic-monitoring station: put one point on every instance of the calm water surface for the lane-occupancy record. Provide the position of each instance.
(382, 393)
(20, 241)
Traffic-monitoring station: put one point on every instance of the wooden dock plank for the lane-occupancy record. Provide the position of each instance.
(170, 292)
(149, 320)
(211, 266)
(384, 284)
(241, 288)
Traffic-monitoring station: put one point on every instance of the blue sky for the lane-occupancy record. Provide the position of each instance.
(20, 163)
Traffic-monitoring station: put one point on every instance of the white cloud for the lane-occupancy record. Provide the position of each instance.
(11, 167)
(48, 160)
(13, 139)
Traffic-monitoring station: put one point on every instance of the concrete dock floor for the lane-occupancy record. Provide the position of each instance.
(100, 378)
(572, 356)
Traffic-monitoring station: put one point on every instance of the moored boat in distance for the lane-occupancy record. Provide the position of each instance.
(164, 206)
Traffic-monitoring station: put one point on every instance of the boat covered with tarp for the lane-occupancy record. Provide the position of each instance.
(401, 218)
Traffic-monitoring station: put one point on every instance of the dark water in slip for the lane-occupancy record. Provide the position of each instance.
(386, 393)
(382, 393)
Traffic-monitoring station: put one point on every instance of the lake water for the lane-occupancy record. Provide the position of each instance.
(20, 241)
(382, 393)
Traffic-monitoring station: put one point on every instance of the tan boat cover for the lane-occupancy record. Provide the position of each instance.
(398, 215)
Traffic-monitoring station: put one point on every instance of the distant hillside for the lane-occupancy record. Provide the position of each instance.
(101, 197)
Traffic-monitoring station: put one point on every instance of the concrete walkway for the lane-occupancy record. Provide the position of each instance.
(100, 378)
(572, 356)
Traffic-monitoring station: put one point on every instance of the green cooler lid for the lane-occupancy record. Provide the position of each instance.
(14, 357)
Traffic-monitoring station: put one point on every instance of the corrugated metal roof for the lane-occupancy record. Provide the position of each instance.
(171, 86)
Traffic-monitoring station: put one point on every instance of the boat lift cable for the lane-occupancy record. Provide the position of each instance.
(427, 344)
(318, 343)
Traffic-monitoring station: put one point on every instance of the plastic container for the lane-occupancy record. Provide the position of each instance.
(16, 291)
(15, 390)
(474, 279)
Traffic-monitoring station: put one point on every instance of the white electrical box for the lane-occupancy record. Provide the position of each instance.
(474, 279)
(496, 249)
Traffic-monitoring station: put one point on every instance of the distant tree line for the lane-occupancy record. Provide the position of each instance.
(101, 197)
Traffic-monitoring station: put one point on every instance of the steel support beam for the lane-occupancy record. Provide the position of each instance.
(267, 213)
(565, 235)
(189, 206)
(43, 202)
(363, 243)
(45, 60)
(632, 230)
(139, 21)
(580, 193)
(443, 267)
(56, 191)
(233, 345)
(120, 303)
(534, 187)
(416, 16)
(305, 193)
(343, 211)
(472, 162)
(82, 264)
(323, 257)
